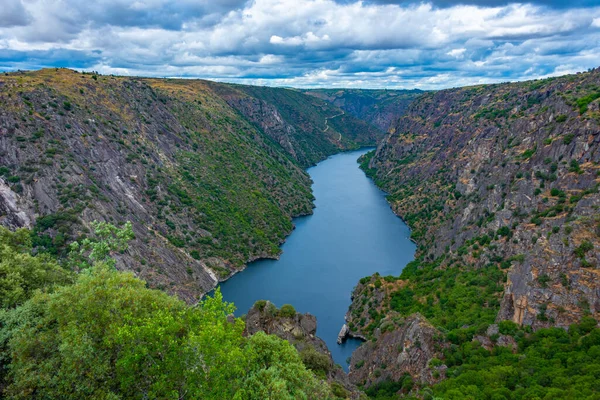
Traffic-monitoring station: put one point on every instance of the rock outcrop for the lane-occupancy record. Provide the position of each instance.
(343, 334)
(408, 349)
(300, 330)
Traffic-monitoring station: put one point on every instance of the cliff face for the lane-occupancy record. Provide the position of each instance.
(380, 108)
(206, 189)
(499, 184)
(516, 165)
(397, 346)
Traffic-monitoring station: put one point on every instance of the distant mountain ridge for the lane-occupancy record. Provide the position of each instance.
(379, 107)
(308, 128)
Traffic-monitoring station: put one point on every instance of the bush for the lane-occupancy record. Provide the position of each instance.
(260, 305)
(561, 118)
(339, 391)
(503, 231)
(574, 167)
(508, 328)
(583, 248)
(568, 138)
(543, 280)
(287, 310)
(315, 361)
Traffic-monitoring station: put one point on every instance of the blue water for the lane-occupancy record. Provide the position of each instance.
(352, 233)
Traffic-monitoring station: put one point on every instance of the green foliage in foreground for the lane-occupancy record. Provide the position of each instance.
(107, 336)
(21, 273)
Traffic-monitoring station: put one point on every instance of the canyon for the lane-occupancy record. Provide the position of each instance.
(498, 183)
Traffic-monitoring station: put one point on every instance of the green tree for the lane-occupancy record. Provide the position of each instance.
(108, 336)
(22, 273)
(276, 372)
(109, 239)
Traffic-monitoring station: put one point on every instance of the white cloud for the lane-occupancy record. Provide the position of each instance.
(457, 53)
(304, 42)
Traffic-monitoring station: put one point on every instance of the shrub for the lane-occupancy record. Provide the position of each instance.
(287, 310)
(315, 361)
(503, 231)
(508, 328)
(543, 280)
(574, 167)
(260, 304)
(583, 248)
(568, 138)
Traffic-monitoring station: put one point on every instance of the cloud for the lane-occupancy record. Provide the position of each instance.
(305, 42)
(557, 4)
(12, 13)
(457, 53)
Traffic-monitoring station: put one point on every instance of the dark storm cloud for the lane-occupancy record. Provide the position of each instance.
(12, 13)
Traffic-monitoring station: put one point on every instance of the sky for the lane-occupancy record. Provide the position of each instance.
(306, 43)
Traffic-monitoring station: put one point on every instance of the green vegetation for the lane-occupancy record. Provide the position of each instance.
(103, 334)
(320, 128)
(452, 168)
(549, 364)
(584, 102)
(287, 310)
(21, 274)
(462, 301)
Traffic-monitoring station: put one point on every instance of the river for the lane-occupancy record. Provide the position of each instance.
(352, 233)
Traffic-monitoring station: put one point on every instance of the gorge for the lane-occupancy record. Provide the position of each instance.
(352, 233)
(498, 184)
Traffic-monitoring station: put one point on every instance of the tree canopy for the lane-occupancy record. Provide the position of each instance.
(102, 334)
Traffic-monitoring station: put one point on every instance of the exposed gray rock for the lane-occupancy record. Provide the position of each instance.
(343, 334)
(300, 330)
(407, 349)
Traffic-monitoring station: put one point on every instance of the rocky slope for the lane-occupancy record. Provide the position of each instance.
(308, 128)
(406, 344)
(206, 189)
(380, 108)
(499, 184)
(300, 330)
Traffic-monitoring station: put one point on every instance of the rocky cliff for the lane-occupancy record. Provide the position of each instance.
(380, 108)
(300, 330)
(206, 189)
(499, 184)
(398, 346)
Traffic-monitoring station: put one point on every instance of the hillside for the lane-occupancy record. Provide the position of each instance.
(206, 189)
(380, 108)
(499, 184)
(308, 128)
